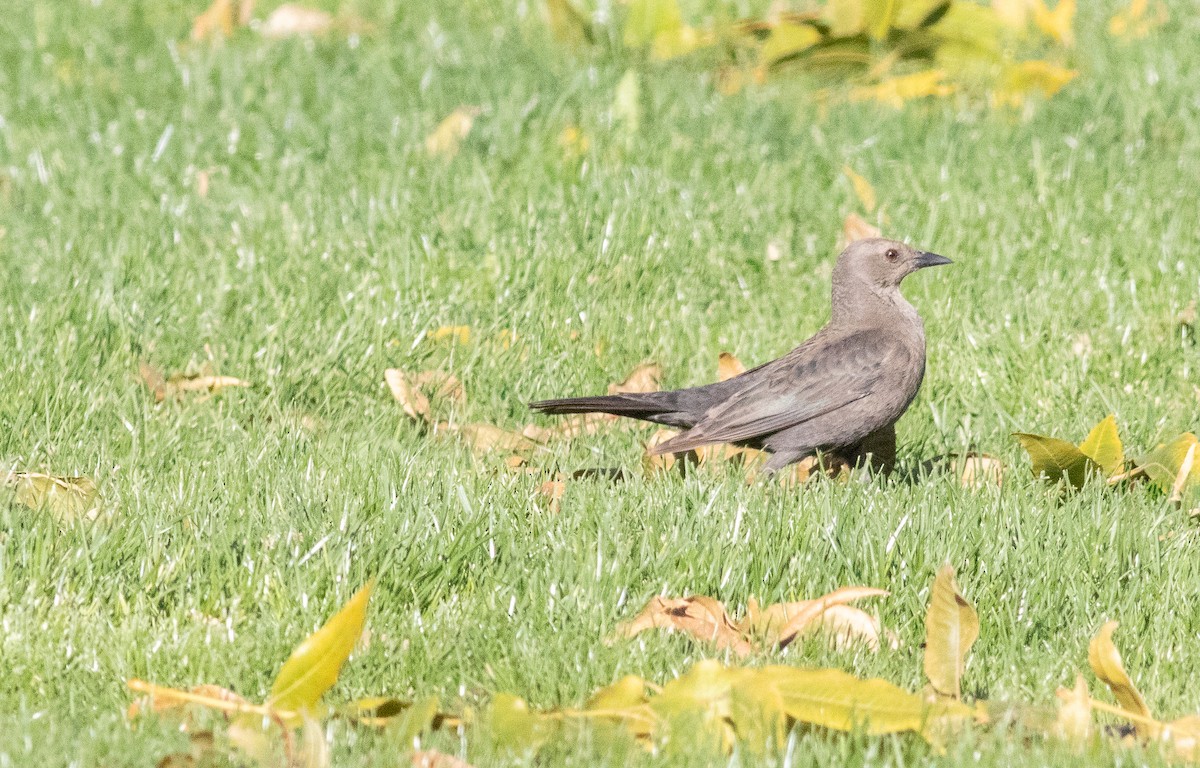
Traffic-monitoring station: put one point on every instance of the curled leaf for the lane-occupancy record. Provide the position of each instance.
(703, 618)
(1105, 661)
(951, 628)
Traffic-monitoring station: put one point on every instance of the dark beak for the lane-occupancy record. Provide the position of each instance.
(925, 259)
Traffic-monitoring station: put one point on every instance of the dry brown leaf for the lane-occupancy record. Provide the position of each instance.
(802, 618)
(293, 20)
(553, 491)
(154, 380)
(729, 366)
(661, 462)
(434, 759)
(1105, 661)
(856, 228)
(977, 470)
(447, 137)
(644, 378)
(487, 438)
(701, 617)
(1074, 722)
(163, 700)
(221, 18)
(579, 424)
(211, 384)
(408, 394)
(444, 385)
(951, 628)
(1183, 735)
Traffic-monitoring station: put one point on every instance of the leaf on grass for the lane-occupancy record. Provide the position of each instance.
(662, 462)
(179, 384)
(314, 747)
(862, 188)
(431, 758)
(786, 41)
(951, 628)
(221, 19)
(488, 438)
(701, 617)
(1056, 459)
(514, 726)
(1163, 465)
(1105, 661)
(644, 378)
(1058, 23)
(160, 700)
(314, 665)
(445, 141)
(567, 24)
(411, 398)
(834, 699)
(1183, 735)
(1012, 13)
(552, 491)
(1103, 446)
(66, 498)
(1025, 77)
(783, 623)
(675, 43)
(1137, 21)
(292, 20)
(1074, 722)
(856, 228)
(977, 470)
(729, 366)
(897, 91)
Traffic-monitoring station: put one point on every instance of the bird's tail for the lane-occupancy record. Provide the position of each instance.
(649, 406)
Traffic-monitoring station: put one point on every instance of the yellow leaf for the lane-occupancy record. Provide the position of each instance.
(834, 699)
(647, 19)
(1105, 661)
(314, 666)
(728, 366)
(895, 91)
(66, 498)
(1136, 21)
(846, 18)
(1164, 463)
(1103, 446)
(862, 188)
(1056, 459)
(1183, 735)
(1025, 77)
(783, 623)
(1057, 23)
(447, 137)
(695, 708)
(857, 228)
(515, 726)
(455, 334)
(567, 24)
(911, 14)
(786, 40)
(292, 20)
(674, 43)
(1013, 13)
(951, 628)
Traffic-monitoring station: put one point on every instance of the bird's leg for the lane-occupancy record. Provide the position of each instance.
(877, 451)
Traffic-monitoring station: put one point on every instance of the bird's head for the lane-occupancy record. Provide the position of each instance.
(881, 263)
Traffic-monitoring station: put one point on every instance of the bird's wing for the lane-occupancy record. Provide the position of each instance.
(813, 380)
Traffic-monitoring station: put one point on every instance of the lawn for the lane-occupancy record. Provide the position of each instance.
(270, 208)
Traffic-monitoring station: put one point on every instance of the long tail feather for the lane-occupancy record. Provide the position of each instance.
(636, 406)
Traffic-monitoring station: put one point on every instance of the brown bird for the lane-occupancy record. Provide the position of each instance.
(840, 392)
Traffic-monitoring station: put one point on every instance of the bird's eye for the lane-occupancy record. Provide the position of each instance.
(891, 255)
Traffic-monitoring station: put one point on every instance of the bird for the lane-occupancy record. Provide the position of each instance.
(839, 393)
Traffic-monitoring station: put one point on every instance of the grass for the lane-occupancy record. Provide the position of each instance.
(328, 243)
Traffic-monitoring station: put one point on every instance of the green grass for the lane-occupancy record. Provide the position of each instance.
(329, 243)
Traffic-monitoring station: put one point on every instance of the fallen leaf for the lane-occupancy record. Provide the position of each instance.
(445, 141)
(1136, 21)
(1105, 661)
(1103, 446)
(314, 665)
(898, 90)
(1056, 459)
(1058, 23)
(162, 700)
(444, 385)
(856, 228)
(862, 188)
(66, 498)
(1163, 465)
(408, 394)
(701, 617)
(433, 759)
(976, 470)
(674, 43)
(211, 384)
(1184, 475)
(553, 491)
(293, 20)
(951, 628)
(1075, 722)
(644, 378)
(1183, 735)
(729, 366)
(488, 438)
(662, 462)
(783, 623)
(1025, 77)
(514, 726)
(786, 41)
(567, 24)
(221, 19)
(1013, 13)
(314, 747)
(154, 380)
